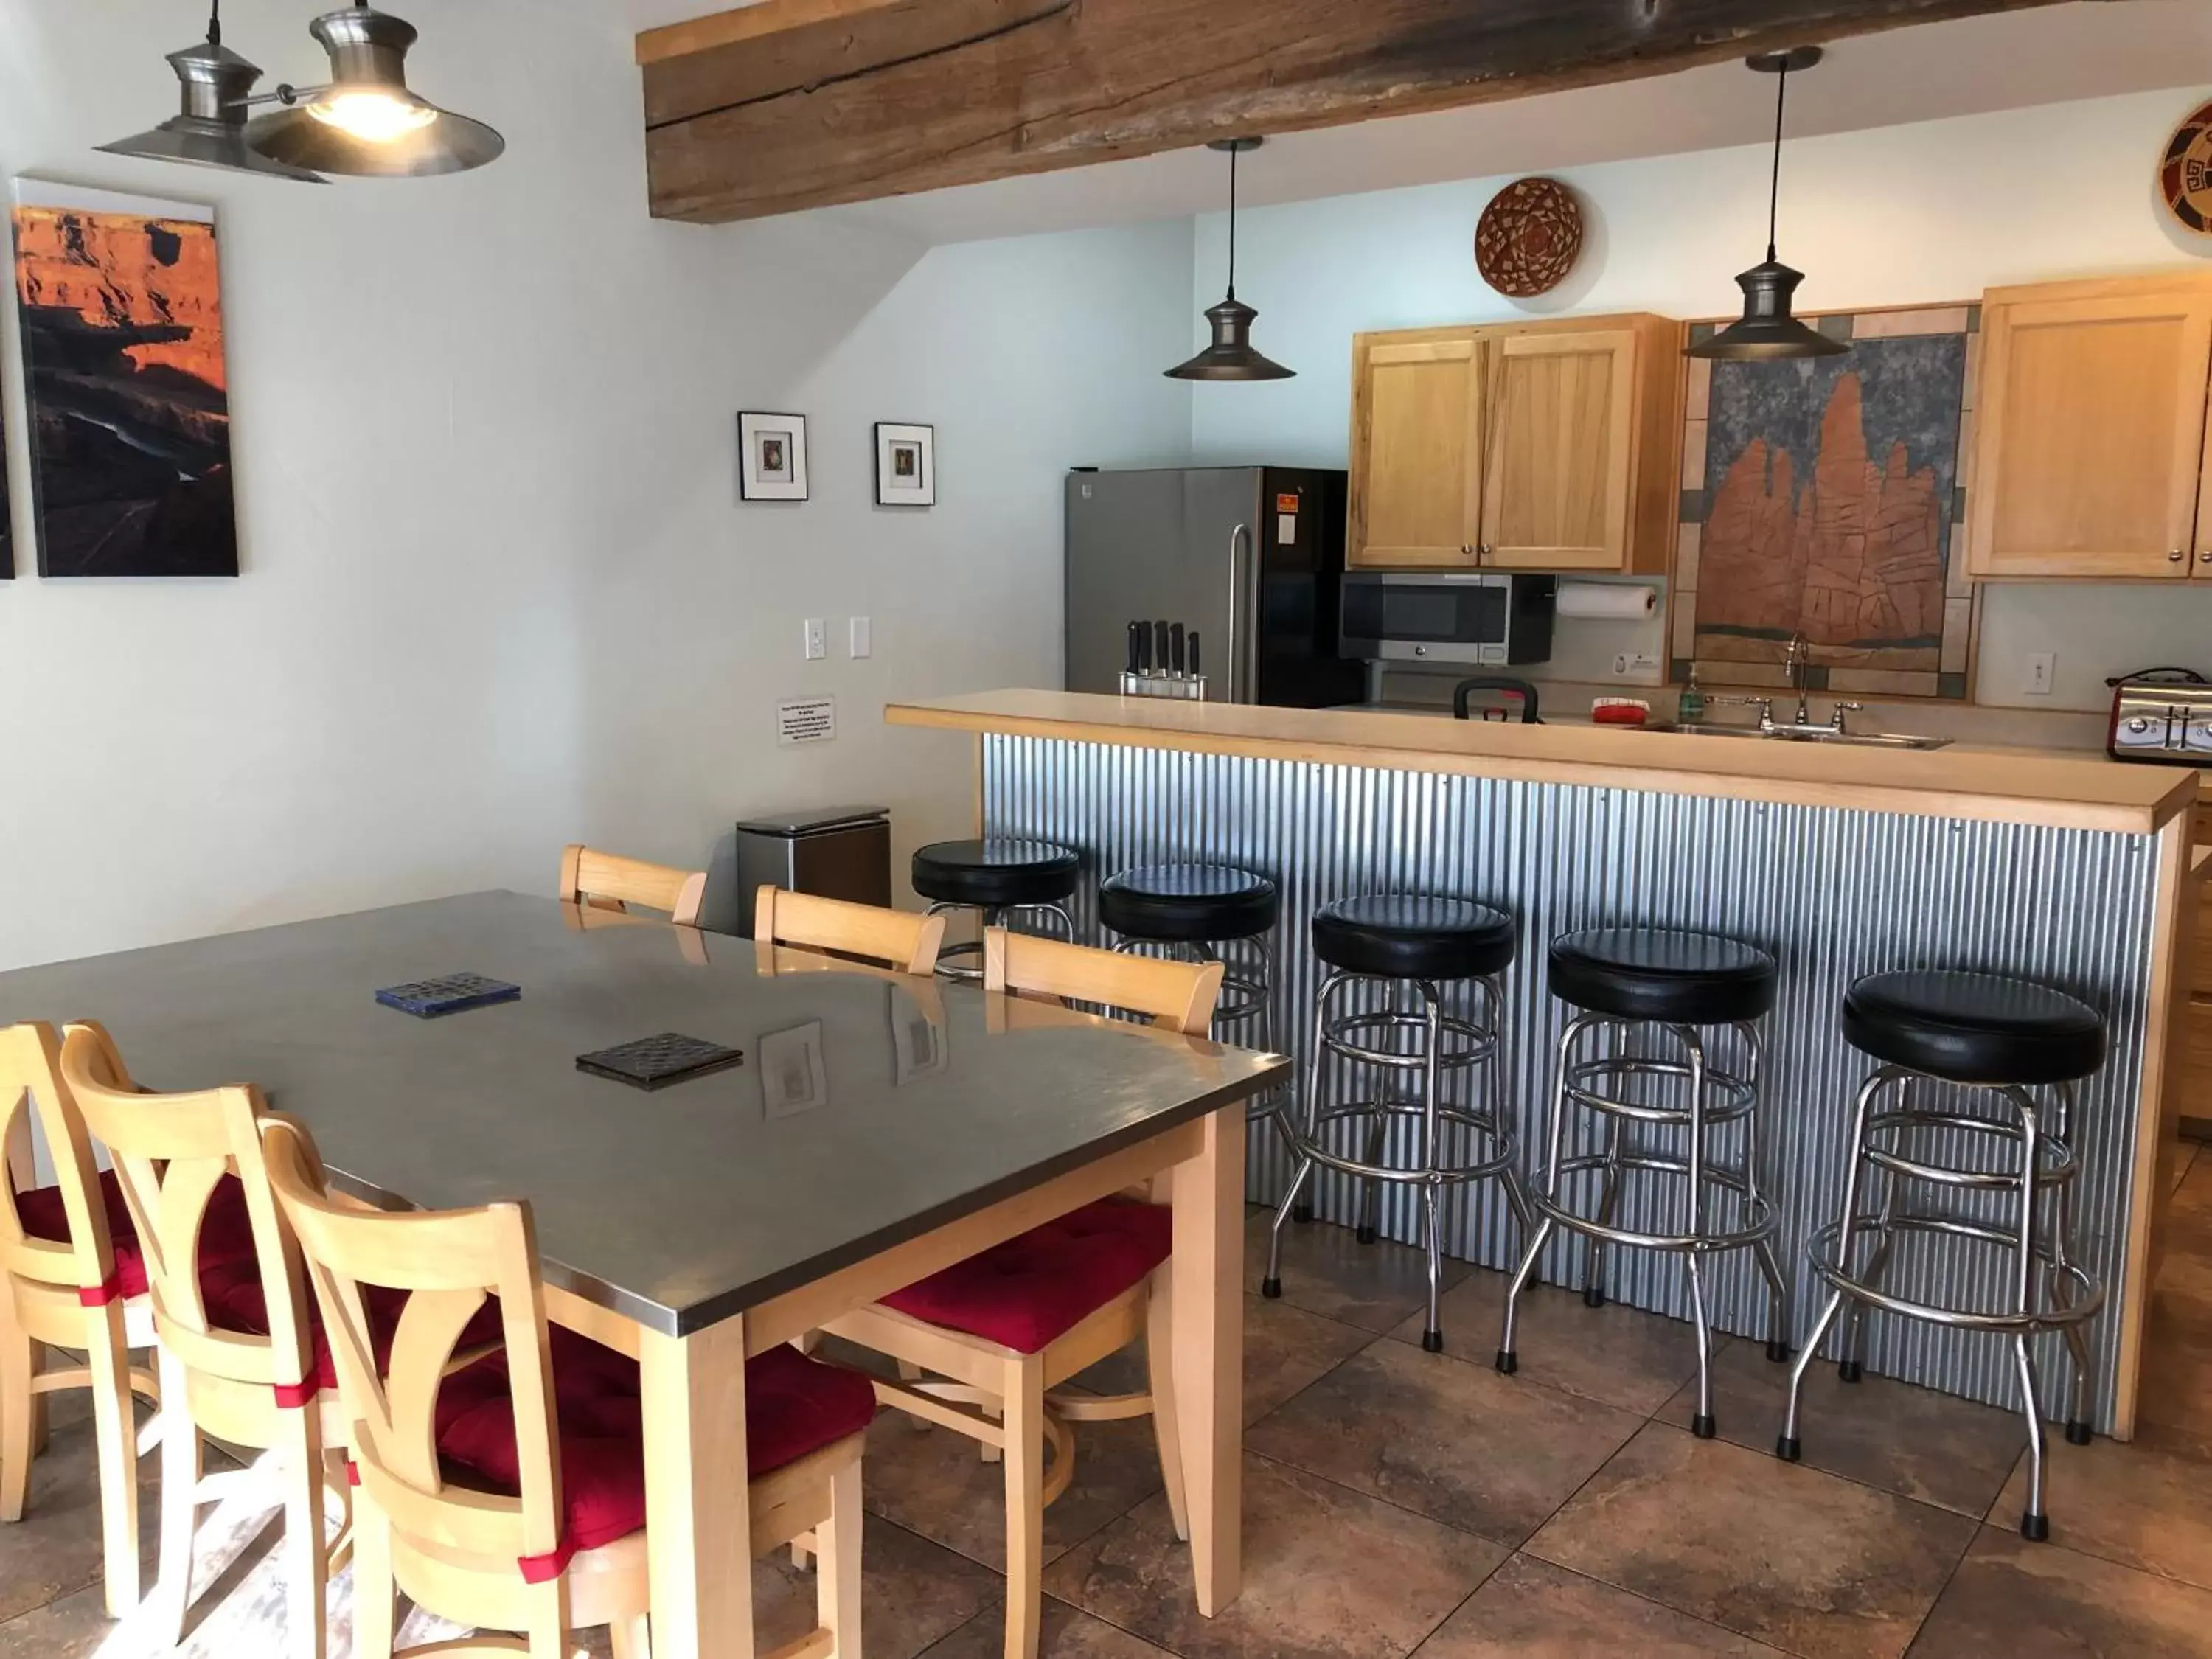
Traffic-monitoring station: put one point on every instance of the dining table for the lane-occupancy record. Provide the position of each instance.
(879, 1127)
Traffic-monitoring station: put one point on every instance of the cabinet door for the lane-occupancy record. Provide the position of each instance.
(2089, 456)
(1561, 424)
(1416, 455)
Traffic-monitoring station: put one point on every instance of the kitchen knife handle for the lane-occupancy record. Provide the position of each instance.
(1144, 647)
(1160, 646)
(1175, 647)
(1191, 644)
(1136, 646)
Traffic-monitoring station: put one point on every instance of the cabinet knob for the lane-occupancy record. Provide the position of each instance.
(2177, 555)
(2205, 558)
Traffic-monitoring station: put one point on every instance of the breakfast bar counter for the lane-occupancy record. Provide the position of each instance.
(1840, 860)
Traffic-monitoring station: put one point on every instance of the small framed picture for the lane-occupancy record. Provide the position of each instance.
(794, 1078)
(772, 463)
(906, 464)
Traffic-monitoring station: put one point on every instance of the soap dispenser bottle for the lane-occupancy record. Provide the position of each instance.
(1690, 708)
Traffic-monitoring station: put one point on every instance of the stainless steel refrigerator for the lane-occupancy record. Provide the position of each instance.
(1248, 558)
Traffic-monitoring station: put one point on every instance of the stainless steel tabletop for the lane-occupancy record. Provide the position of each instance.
(854, 1123)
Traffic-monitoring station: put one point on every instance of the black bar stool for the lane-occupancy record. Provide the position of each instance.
(1994, 1040)
(1681, 1011)
(1214, 913)
(1001, 877)
(1397, 941)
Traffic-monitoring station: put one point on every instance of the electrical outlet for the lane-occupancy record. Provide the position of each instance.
(860, 643)
(818, 641)
(2042, 672)
(1634, 665)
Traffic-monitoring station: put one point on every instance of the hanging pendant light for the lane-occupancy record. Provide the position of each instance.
(365, 123)
(1766, 331)
(1231, 357)
(208, 130)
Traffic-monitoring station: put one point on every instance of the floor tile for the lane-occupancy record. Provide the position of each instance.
(2014, 1599)
(1066, 1634)
(1530, 1609)
(55, 1549)
(74, 1627)
(934, 1482)
(1328, 1573)
(1805, 1561)
(1457, 1442)
(2142, 1504)
(1285, 1348)
(1617, 1354)
(1914, 1442)
(914, 1594)
(1328, 1270)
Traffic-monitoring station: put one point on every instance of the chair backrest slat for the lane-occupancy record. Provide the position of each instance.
(607, 879)
(31, 1082)
(894, 939)
(171, 1153)
(448, 1262)
(1178, 995)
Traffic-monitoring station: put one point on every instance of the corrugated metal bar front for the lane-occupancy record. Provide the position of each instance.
(1833, 894)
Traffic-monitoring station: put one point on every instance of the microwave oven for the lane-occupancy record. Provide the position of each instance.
(1453, 617)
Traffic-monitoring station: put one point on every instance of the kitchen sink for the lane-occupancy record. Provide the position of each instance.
(1804, 734)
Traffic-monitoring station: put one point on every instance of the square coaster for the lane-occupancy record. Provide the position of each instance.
(449, 993)
(654, 1062)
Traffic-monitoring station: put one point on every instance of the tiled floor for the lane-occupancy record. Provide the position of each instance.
(1399, 1503)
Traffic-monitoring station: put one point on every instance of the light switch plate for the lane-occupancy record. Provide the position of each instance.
(2039, 673)
(818, 641)
(861, 642)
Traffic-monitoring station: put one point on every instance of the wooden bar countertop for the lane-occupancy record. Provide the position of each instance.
(2089, 792)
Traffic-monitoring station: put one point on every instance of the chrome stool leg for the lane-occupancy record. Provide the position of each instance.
(1701, 1425)
(952, 960)
(1608, 1208)
(1763, 1250)
(1787, 1446)
(2034, 1523)
(1507, 1361)
(1447, 1047)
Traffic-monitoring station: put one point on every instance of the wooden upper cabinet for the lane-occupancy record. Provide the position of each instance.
(1417, 455)
(1562, 410)
(1548, 446)
(2089, 452)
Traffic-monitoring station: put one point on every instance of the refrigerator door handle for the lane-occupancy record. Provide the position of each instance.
(1240, 688)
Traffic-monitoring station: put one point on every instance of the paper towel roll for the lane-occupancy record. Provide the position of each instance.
(1609, 601)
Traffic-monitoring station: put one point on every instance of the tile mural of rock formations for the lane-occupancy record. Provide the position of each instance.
(122, 348)
(1829, 494)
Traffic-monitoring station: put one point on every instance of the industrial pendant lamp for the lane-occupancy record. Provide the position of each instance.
(1231, 357)
(365, 123)
(208, 130)
(1766, 331)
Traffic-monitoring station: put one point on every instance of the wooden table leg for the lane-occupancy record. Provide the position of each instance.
(698, 1516)
(1208, 1310)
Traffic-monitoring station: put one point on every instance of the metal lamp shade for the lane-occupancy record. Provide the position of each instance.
(1231, 357)
(1766, 331)
(208, 130)
(368, 58)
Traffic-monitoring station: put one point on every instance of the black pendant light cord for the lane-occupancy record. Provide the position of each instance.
(1232, 224)
(1774, 187)
(215, 22)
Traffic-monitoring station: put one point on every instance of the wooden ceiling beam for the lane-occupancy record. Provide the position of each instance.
(796, 104)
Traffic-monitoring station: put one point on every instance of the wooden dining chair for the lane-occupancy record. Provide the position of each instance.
(611, 882)
(1002, 1330)
(896, 939)
(236, 1351)
(509, 1495)
(71, 1277)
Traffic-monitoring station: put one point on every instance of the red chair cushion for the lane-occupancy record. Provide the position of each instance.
(1024, 1293)
(226, 1234)
(235, 1301)
(793, 1405)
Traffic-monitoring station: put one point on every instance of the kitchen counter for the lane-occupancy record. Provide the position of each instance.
(2065, 868)
(1994, 786)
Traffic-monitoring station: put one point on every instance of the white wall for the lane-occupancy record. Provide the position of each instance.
(499, 593)
(1900, 216)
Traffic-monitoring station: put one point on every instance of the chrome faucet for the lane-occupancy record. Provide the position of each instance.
(1798, 660)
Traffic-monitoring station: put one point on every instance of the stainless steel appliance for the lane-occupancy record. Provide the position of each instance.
(1489, 620)
(1246, 559)
(838, 852)
(2161, 714)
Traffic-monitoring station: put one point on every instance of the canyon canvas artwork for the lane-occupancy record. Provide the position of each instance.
(1822, 496)
(119, 301)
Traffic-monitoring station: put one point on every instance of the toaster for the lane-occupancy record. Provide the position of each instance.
(2161, 714)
